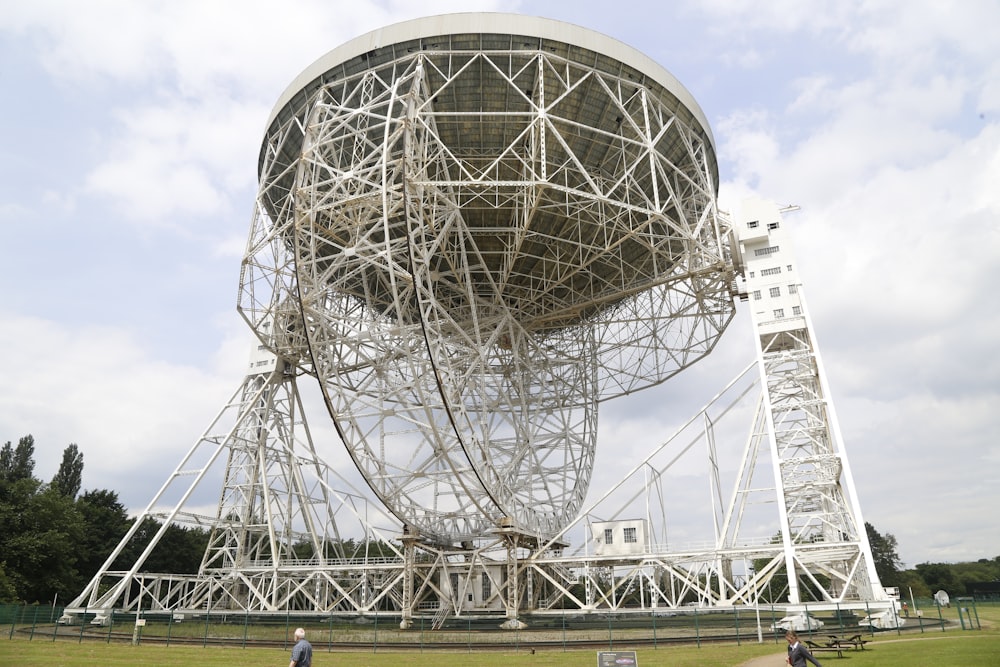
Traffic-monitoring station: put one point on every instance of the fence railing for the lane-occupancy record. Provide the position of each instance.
(549, 630)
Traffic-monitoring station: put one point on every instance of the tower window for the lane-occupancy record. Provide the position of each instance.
(769, 250)
(775, 291)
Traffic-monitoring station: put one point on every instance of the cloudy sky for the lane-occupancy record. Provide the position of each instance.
(127, 165)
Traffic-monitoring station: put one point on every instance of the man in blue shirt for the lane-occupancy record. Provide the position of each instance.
(302, 652)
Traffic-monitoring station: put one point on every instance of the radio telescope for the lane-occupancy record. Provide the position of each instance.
(472, 229)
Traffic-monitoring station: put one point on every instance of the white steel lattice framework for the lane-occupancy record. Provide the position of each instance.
(471, 237)
(274, 535)
(471, 230)
(824, 539)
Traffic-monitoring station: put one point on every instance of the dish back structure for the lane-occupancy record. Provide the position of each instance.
(472, 229)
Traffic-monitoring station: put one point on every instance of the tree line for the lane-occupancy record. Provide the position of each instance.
(53, 538)
(925, 579)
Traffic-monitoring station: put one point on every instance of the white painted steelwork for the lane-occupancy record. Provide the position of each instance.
(471, 229)
(276, 522)
(823, 534)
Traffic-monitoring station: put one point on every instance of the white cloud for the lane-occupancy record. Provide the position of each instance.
(179, 159)
(749, 17)
(99, 388)
(922, 34)
(988, 99)
(749, 140)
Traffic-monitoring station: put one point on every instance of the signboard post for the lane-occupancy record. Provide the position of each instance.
(139, 623)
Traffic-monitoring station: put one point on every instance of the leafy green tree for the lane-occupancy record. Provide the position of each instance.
(179, 551)
(979, 571)
(910, 581)
(8, 594)
(776, 589)
(885, 554)
(348, 549)
(40, 531)
(105, 522)
(14, 521)
(6, 461)
(69, 477)
(17, 463)
(940, 577)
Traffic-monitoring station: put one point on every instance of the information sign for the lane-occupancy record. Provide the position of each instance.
(617, 659)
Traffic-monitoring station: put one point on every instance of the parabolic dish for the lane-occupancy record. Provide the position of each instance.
(472, 229)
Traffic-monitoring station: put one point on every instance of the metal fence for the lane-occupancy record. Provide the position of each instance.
(550, 631)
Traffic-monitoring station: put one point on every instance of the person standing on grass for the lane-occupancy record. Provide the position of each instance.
(302, 652)
(797, 653)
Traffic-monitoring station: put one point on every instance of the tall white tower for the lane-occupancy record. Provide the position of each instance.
(822, 530)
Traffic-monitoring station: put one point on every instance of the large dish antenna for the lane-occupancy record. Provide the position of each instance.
(471, 229)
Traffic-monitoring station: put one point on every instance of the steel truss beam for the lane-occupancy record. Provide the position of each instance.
(275, 532)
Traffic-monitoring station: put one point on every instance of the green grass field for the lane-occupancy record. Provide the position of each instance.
(951, 648)
(911, 648)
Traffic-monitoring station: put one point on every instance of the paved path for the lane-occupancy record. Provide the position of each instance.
(776, 660)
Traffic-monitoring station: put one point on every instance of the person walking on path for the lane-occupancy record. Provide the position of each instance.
(797, 653)
(302, 652)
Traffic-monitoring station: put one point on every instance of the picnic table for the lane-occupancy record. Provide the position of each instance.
(820, 648)
(854, 641)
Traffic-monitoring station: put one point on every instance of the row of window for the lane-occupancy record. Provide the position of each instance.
(779, 313)
(769, 250)
(775, 291)
(630, 536)
(754, 224)
(773, 271)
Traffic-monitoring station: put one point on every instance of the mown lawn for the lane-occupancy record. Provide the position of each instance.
(951, 648)
(890, 649)
(65, 654)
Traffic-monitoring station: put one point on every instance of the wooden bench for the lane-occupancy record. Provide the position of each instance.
(818, 648)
